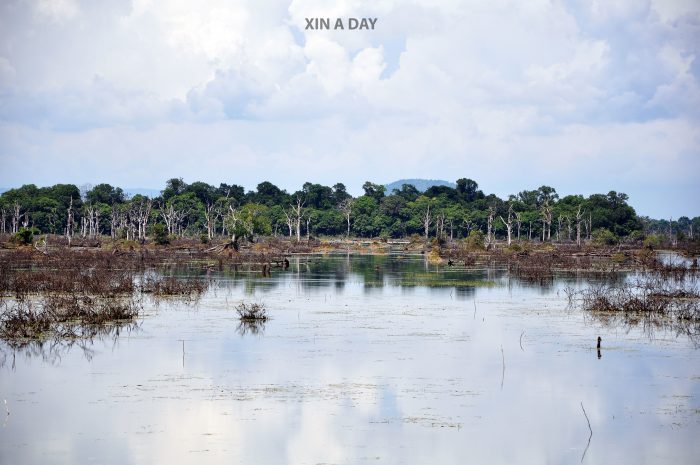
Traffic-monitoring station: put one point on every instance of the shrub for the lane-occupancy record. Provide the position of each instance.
(652, 241)
(24, 236)
(604, 236)
(160, 235)
(475, 240)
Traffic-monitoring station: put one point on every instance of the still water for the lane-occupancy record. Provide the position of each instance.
(366, 359)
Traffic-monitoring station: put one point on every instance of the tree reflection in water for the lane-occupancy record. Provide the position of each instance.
(252, 327)
(51, 350)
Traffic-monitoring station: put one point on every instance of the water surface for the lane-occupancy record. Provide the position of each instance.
(366, 359)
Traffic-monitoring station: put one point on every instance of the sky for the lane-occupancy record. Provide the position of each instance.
(585, 96)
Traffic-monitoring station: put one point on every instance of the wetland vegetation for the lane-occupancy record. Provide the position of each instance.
(360, 341)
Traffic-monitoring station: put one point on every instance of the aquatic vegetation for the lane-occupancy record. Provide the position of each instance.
(63, 316)
(651, 300)
(251, 312)
(172, 286)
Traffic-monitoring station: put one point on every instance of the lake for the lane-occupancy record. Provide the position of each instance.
(365, 359)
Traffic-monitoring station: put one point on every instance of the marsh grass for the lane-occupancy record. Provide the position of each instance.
(651, 301)
(64, 316)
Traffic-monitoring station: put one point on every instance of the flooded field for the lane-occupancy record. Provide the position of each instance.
(365, 359)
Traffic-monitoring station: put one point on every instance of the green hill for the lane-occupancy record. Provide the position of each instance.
(421, 184)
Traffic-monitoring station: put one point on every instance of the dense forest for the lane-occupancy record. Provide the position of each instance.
(205, 211)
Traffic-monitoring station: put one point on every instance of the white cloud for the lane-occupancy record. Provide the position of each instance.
(439, 88)
(57, 10)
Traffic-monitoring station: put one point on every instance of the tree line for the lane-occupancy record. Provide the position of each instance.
(206, 211)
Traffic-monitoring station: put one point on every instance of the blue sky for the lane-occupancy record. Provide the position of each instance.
(585, 96)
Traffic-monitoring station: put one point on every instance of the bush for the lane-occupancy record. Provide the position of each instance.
(604, 236)
(160, 235)
(475, 240)
(515, 247)
(24, 236)
(652, 241)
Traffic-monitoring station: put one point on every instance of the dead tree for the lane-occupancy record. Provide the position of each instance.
(489, 228)
(69, 221)
(16, 215)
(83, 226)
(468, 225)
(508, 224)
(298, 213)
(173, 218)
(91, 221)
(3, 213)
(114, 218)
(141, 212)
(560, 219)
(233, 217)
(440, 225)
(290, 223)
(518, 222)
(579, 219)
(546, 215)
(427, 219)
(346, 208)
(212, 213)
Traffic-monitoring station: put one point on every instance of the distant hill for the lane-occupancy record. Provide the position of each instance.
(132, 191)
(421, 184)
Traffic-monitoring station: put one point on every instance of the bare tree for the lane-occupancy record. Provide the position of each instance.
(298, 213)
(346, 208)
(427, 219)
(440, 225)
(91, 221)
(546, 214)
(69, 221)
(489, 228)
(560, 220)
(114, 219)
(290, 223)
(3, 213)
(233, 217)
(212, 213)
(518, 221)
(579, 219)
(141, 212)
(16, 215)
(467, 224)
(509, 223)
(173, 217)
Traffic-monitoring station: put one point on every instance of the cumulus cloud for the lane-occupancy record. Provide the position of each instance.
(445, 89)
